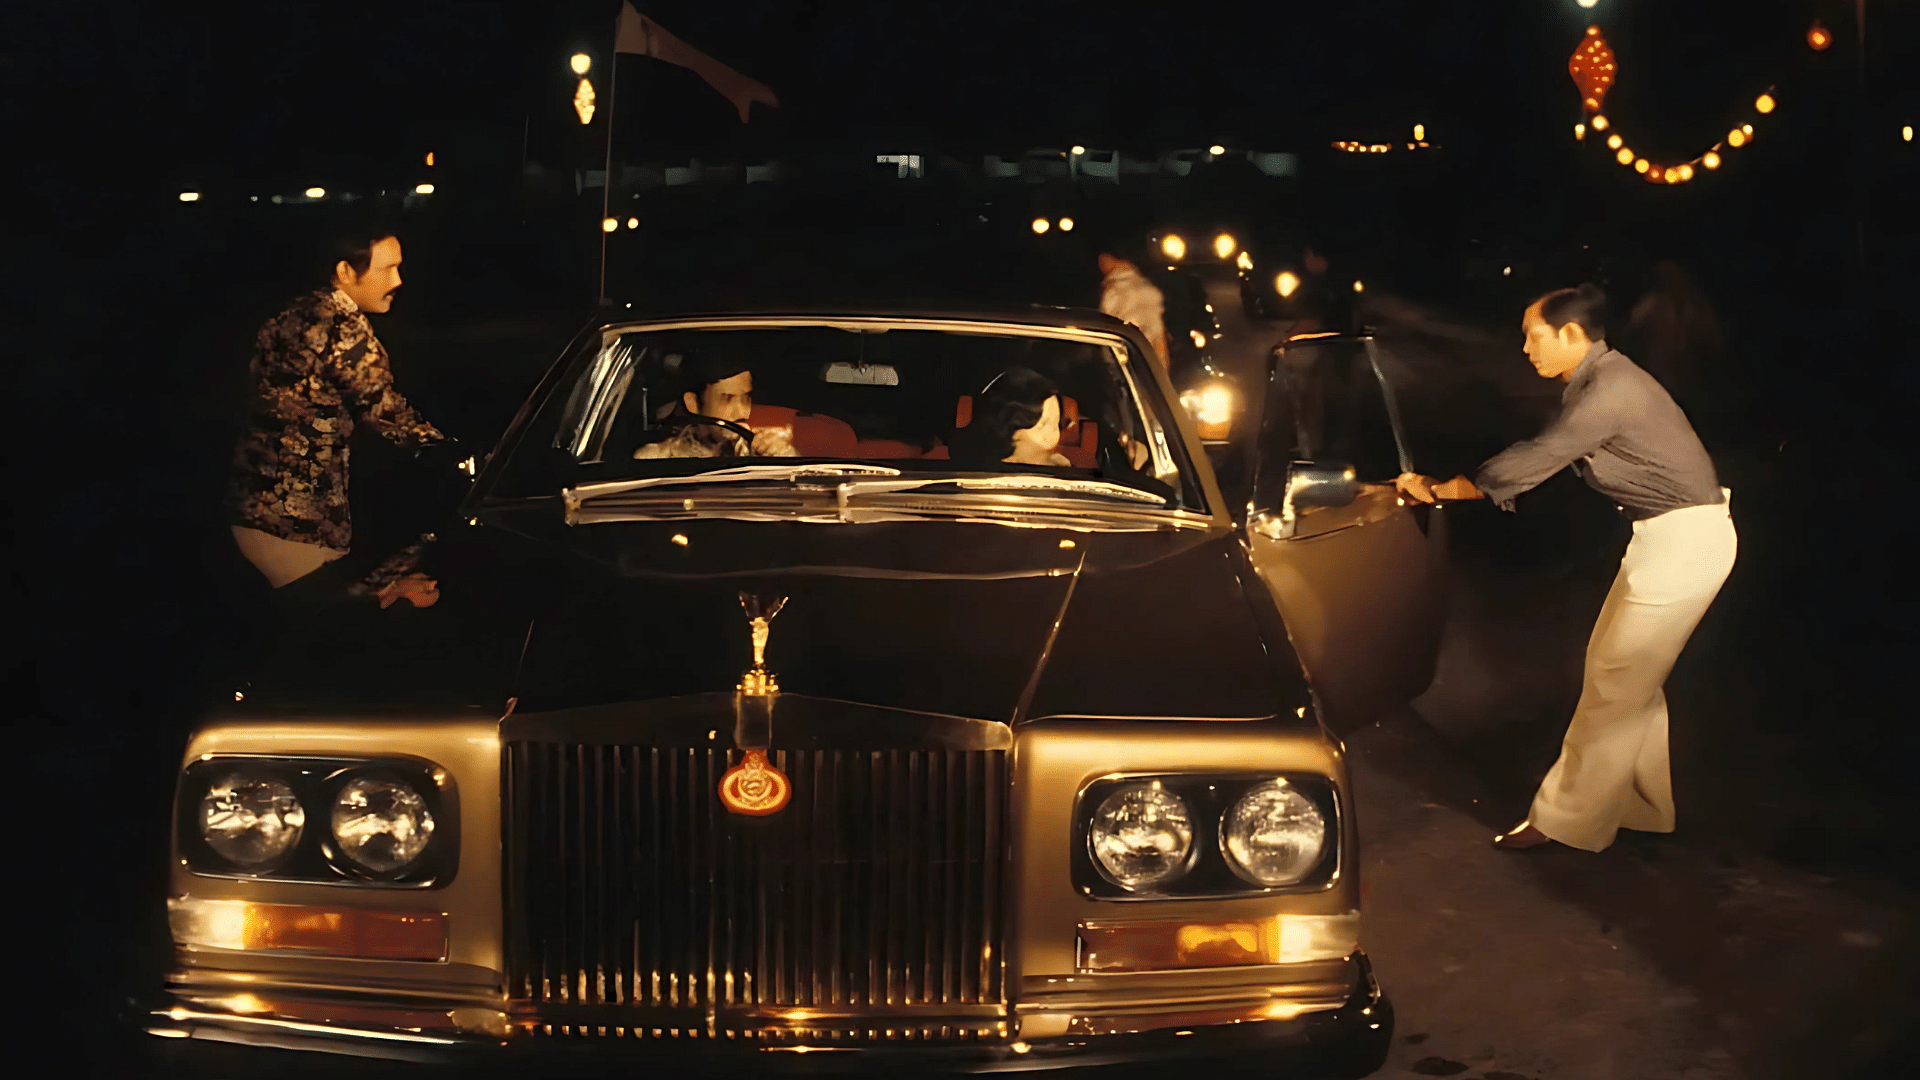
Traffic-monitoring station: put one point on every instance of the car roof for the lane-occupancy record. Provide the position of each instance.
(1037, 315)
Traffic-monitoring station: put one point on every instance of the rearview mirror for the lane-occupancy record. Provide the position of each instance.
(1309, 484)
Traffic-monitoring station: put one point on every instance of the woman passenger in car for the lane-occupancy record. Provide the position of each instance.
(1016, 420)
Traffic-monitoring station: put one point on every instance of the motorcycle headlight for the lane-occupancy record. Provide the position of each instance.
(380, 823)
(251, 819)
(1273, 834)
(1141, 836)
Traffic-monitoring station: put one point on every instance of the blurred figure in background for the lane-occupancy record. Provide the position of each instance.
(1673, 331)
(1127, 295)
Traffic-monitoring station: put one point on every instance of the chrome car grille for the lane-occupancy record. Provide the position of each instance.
(873, 901)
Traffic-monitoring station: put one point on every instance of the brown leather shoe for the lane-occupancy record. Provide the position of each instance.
(1521, 837)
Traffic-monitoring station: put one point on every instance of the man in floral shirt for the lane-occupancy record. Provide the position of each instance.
(317, 371)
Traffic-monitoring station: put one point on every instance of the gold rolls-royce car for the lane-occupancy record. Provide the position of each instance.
(891, 686)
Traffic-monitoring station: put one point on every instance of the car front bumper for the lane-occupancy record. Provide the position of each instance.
(1334, 1035)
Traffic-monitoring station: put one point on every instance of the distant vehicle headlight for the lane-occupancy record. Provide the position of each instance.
(1225, 245)
(1141, 836)
(1286, 284)
(1173, 247)
(251, 819)
(1213, 406)
(381, 823)
(1273, 835)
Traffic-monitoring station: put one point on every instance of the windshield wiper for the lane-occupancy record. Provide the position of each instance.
(1065, 485)
(742, 474)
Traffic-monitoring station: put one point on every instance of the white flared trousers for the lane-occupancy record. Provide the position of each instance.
(1613, 770)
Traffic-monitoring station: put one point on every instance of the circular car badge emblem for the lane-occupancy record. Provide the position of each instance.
(755, 787)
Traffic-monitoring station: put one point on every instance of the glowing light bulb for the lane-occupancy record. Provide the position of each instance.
(583, 99)
(1624, 157)
(609, 224)
(1642, 165)
(423, 189)
(1906, 133)
(1764, 103)
(1670, 174)
(1419, 132)
(1614, 141)
(1599, 123)
(429, 159)
(1286, 283)
(1587, 3)
(1079, 150)
(316, 193)
(1216, 149)
(580, 62)
(1817, 37)
(189, 196)
(633, 223)
(1711, 160)
(1359, 286)
(1580, 131)
(1736, 138)
(1041, 225)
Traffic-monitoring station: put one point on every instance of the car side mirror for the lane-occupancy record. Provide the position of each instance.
(1310, 484)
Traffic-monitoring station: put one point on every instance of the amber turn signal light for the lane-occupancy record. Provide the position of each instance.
(1167, 945)
(371, 935)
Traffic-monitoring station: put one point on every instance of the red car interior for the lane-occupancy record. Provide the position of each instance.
(814, 435)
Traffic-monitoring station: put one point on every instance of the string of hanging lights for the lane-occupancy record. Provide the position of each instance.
(1594, 68)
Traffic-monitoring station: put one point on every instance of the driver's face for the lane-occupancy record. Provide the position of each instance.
(729, 399)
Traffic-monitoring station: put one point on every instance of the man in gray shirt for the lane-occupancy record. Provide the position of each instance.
(1627, 439)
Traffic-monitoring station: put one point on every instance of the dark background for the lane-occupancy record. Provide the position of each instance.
(130, 314)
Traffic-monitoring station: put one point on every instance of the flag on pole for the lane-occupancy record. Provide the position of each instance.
(637, 34)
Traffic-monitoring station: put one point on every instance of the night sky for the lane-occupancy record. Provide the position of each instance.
(145, 92)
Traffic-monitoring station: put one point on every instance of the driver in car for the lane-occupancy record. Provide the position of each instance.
(710, 416)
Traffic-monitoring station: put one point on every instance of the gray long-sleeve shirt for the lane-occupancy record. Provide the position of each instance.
(1622, 433)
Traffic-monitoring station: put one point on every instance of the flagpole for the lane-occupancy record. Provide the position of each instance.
(606, 175)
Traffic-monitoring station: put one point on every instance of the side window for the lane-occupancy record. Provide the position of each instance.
(1340, 411)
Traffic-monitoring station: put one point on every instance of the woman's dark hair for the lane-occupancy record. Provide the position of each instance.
(1585, 305)
(1014, 401)
(352, 243)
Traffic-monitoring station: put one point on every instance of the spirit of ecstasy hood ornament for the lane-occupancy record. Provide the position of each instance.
(756, 787)
(760, 613)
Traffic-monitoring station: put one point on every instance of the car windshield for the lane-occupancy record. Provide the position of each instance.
(759, 402)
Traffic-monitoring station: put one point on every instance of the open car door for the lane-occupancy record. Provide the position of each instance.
(1358, 573)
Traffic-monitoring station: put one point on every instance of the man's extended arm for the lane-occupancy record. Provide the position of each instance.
(361, 370)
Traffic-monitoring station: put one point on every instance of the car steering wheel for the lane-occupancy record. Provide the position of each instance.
(687, 420)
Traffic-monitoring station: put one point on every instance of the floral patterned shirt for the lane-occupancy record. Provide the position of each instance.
(317, 371)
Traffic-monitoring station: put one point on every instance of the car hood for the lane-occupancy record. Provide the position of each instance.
(966, 619)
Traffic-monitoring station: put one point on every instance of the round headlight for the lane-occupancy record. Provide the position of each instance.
(1141, 836)
(1273, 835)
(381, 823)
(250, 819)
